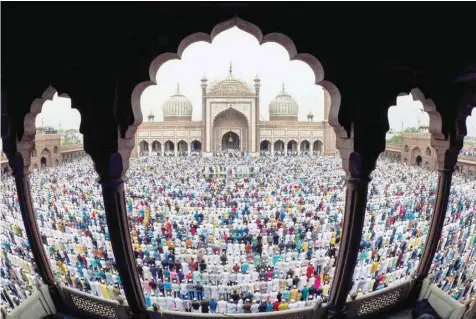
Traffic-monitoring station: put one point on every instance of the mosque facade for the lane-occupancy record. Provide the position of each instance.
(231, 122)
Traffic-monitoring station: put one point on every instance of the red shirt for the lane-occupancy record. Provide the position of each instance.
(310, 271)
(276, 305)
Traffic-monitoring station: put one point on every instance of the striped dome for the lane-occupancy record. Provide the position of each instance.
(231, 86)
(283, 105)
(177, 105)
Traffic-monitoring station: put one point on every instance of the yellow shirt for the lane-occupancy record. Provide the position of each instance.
(105, 291)
(293, 294)
(79, 250)
(374, 267)
(305, 246)
(283, 306)
(298, 296)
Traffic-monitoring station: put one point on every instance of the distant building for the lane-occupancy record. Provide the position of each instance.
(230, 122)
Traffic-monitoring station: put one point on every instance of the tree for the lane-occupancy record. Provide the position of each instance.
(396, 139)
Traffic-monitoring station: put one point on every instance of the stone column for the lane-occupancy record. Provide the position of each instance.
(272, 148)
(298, 147)
(22, 182)
(162, 149)
(150, 148)
(357, 180)
(175, 149)
(189, 148)
(18, 154)
(446, 160)
(358, 161)
(112, 184)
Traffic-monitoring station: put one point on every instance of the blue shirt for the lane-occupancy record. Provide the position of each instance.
(213, 305)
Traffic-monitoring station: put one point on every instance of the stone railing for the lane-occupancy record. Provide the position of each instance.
(380, 301)
(38, 305)
(85, 305)
(423, 135)
(302, 313)
(393, 147)
(68, 148)
(43, 136)
(467, 158)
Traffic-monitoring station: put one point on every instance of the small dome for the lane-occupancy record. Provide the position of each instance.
(177, 105)
(231, 86)
(283, 105)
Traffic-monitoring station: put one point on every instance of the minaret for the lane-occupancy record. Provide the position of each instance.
(204, 86)
(151, 116)
(257, 84)
(329, 133)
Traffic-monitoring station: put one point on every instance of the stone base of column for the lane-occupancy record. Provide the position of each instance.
(332, 313)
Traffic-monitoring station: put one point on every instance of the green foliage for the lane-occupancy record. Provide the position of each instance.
(411, 130)
(395, 140)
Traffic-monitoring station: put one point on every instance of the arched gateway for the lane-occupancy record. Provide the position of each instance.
(230, 131)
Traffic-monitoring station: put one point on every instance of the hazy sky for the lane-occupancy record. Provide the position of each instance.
(270, 61)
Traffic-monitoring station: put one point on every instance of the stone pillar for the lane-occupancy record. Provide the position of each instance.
(189, 148)
(446, 160)
(112, 184)
(150, 148)
(272, 148)
(298, 147)
(357, 181)
(175, 149)
(162, 149)
(22, 182)
(358, 161)
(18, 154)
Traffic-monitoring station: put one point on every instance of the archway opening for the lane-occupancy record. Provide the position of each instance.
(317, 147)
(265, 146)
(305, 147)
(144, 148)
(196, 146)
(230, 142)
(156, 147)
(57, 162)
(418, 160)
(279, 147)
(169, 148)
(43, 162)
(292, 146)
(182, 147)
(230, 123)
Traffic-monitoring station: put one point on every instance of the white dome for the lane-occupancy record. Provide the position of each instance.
(283, 105)
(177, 105)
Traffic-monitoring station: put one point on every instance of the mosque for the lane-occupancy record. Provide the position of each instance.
(231, 122)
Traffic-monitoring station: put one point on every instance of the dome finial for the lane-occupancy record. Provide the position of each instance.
(283, 87)
(231, 68)
(178, 88)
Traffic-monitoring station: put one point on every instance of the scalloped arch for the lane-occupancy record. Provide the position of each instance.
(245, 26)
(26, 145)
(436, 122)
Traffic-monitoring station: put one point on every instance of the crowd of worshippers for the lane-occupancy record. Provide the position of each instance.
(236, 234)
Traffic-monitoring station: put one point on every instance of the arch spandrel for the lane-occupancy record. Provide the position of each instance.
(229, 114)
